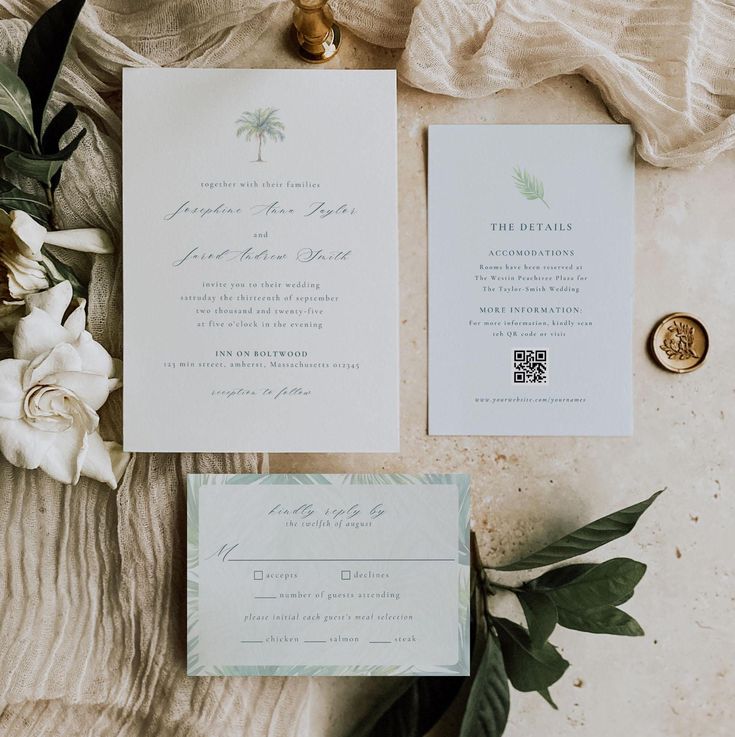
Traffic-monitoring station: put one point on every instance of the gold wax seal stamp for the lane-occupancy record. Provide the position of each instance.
(679, 343)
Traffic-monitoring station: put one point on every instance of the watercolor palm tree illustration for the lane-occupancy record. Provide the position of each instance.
(528, 185)
(261, 124)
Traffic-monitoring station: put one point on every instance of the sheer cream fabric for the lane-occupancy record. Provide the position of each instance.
(92, 620)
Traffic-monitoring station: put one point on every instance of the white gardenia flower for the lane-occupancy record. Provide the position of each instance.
(51, 391)
(24, 269)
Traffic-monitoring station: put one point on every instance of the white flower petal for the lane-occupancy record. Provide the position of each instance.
(60, 359)
(11, 388)
(23, 283)
(11, 372)
(64, 457)
(25, 276)
(97, 461)
(54, 300)
(52, 270)
(77, 321)
(28, 234)
(118, 457)
(95, 359)
(89, 240)
(23, 445)
(92, 389)
(37, 333)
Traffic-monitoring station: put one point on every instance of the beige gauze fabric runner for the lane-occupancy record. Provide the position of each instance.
(92, 599)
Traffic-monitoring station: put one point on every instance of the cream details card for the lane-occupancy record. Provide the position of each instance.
(530, 280)
(260, 260)
(328, 575)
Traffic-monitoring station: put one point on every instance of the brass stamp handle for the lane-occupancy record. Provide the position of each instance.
(314, 31)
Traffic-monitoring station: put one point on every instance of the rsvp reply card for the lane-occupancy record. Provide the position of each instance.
(530, 279)
(261, 285)
(328, 575)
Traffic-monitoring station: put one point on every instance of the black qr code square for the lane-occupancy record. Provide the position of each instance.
(530, 367)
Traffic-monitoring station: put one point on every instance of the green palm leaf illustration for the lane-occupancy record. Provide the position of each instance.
(528, 185)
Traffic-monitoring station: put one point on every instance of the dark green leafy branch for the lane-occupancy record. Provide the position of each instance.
(577, 596)
(28, 148)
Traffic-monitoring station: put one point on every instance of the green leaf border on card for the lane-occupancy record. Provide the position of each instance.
(195, 482)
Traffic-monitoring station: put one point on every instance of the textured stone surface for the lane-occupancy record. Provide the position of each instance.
(678, 680)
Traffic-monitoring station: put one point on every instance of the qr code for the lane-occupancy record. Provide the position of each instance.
(529, 367)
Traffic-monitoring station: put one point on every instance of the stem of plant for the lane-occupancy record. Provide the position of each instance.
(495, 585)
(50, 199)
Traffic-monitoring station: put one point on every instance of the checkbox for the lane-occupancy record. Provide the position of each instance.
(346, 575)
(257, 575)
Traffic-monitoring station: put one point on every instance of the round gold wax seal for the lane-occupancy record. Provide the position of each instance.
(679, 343)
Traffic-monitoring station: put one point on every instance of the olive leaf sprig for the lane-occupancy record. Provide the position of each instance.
(577, 596)
(28, 147)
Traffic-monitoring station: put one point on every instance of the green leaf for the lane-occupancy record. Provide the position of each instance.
(529, 668)
(12, 198)
(59, 271)
(605, 584)
(547, 698)
(35, 167)
(486, 713)
(43, 54)
(59, 124)
(606, 620)
(64, 154)
(591, 536)
(623, 599)
(557, 577)
(13, 136)
(540, 613)
(44, 168)
(529, 186)
(15, 99)
(586, 595)
(416, 710)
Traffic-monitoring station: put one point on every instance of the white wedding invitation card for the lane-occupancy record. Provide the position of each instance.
(328, 575)
(260, 260)
(530, 279)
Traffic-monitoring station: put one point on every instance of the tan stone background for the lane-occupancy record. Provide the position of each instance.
(678, 680)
